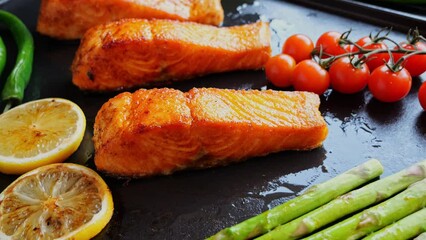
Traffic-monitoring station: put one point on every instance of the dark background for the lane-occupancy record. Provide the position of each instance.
(196, 204)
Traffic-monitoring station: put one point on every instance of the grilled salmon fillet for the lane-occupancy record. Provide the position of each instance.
(69, 19)
(134, 53)
(159, 131)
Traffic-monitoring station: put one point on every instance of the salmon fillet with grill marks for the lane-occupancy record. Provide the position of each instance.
(159, 131)
(69, 19)
(134, 53)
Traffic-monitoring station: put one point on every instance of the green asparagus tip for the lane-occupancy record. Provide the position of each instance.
(417, 170)
(364, 170)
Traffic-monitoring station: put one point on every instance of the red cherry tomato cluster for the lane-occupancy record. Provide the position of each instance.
(349, 67)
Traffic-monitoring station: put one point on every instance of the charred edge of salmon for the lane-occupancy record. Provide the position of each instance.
(143, 59)
(203, 159)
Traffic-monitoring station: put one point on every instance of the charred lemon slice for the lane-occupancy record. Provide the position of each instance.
(56, 201)
(38, 133)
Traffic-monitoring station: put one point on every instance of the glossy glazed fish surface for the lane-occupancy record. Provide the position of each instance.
(69, 19)
(135, 53)
(159, 131)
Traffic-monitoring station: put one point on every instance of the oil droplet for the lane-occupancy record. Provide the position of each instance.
(277, 190)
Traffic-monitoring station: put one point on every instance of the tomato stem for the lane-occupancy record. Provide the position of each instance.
(413, 36)
(403, 58)
(365, 54)
(361, 54)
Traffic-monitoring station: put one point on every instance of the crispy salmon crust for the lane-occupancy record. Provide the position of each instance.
(135, 53)
(160, 131)
(70, 19)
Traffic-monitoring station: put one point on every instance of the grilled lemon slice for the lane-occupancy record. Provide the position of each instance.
(38, 133)
(56, 201)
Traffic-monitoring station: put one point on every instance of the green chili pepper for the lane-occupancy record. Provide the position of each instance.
(17, 81)
(2, 55)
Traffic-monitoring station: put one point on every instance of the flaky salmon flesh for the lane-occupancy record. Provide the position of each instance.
(138, 53)
(70, 19)
(160, 131)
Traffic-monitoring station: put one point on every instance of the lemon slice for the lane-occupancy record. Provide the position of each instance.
(38, 133)
(56, 201)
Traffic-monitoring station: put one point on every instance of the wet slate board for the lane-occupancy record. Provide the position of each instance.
(196, 204)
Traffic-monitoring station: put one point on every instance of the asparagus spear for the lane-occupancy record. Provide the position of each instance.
(421, 236)
(349, 203)
(379, 216)
(314, 197)
(405, 228)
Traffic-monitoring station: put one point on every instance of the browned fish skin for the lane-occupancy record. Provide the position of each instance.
(69, 19)
(160, 131)
(134, 53)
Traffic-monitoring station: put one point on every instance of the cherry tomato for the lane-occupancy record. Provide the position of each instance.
(389, 86)
(374, 60)
(310, 76)
(415, 64)
(329, 42)
(346, 78)
(362, 41)
(422, 95)
(350, 48)
(279, 70)
(298, 46)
